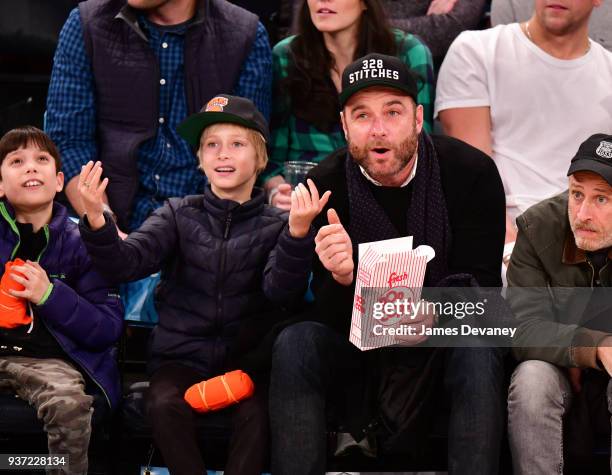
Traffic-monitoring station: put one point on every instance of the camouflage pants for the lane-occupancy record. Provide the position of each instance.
(57, 391)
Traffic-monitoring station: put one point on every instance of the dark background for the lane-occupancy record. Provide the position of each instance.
(29, 30)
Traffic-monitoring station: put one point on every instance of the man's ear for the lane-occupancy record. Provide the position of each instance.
(344, 127)
(418, 117)
(59, 182)
(1, 188)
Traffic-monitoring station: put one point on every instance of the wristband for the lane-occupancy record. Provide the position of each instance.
(46, 295)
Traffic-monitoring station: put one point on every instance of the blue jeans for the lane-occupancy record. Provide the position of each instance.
(539, 399)
(310, 361)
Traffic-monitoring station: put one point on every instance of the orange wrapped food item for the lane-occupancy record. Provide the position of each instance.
(219, 392)
(13, 310)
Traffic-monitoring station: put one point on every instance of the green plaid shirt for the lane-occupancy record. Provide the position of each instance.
(295, 139)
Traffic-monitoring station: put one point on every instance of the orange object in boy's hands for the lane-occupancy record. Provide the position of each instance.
(219, 392)
(12, 309)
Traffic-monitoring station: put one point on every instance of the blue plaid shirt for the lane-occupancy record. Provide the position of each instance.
(166, 163)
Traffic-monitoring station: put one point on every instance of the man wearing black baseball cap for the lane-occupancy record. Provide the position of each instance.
(564, 241)
(392, 180)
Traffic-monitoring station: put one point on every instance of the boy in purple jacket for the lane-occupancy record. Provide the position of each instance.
(74, 317)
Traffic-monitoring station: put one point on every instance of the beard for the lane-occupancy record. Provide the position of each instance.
(602, 240)
(402, 155)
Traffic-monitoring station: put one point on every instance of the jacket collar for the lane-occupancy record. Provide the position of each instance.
(59, 215)
(130, 15)
(572, 254)
(220, 208)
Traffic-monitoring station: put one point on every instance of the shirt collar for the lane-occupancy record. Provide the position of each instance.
(131, 15)
(377, 183)
(574, 255)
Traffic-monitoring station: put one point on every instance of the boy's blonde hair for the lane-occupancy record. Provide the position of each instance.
(258, 141)
(261, 151)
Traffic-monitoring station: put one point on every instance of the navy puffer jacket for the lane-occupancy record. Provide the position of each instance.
(222, 263)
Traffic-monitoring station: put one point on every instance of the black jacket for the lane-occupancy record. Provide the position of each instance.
(475, 203)
(222, 263)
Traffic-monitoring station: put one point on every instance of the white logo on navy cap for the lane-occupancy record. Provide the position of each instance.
(373, 69)
(605, 149)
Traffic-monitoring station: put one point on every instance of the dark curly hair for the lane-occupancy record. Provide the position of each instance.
(311, 91)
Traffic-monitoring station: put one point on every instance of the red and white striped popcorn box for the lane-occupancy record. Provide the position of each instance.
(388, 269)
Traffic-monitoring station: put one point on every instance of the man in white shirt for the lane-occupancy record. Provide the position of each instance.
(528, 94)
(511, 11)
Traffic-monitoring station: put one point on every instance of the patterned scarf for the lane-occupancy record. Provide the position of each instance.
(427, 215)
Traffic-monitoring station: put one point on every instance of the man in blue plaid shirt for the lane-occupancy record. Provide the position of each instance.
(99, 108)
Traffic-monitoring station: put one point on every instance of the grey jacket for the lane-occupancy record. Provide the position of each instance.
(545, 269)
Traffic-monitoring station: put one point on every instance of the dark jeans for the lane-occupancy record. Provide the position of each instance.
(174, 428)
(311, 361)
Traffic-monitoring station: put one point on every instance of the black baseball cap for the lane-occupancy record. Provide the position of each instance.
(223, 109)
(594, 155)
(377, 70)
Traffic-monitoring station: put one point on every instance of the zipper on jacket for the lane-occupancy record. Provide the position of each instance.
(219, 314)
(602, 269)
(592, 273)
(46, 231)
(228, 223)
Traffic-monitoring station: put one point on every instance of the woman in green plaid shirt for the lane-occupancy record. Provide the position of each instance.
(307, 71)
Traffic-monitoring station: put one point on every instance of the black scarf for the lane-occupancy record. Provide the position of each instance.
(427, 215)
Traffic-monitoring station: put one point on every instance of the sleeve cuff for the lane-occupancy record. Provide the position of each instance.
(302, 247)
(46, 295)
(106, 234)
(583, 352)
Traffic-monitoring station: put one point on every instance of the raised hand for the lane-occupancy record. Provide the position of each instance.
(305, 206)
(335, 249)
(91, 192)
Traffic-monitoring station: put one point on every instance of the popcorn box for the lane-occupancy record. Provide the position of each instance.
(387, 271)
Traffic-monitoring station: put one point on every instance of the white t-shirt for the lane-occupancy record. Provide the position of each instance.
(542, 108)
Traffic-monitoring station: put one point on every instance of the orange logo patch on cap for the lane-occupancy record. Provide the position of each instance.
(216, 104)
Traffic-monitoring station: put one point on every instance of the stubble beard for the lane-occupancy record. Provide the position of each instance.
(402, 155)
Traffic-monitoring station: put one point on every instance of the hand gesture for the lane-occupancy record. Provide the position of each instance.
(91, 192)
(305, 206)
(34, 280)
(335, 249)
